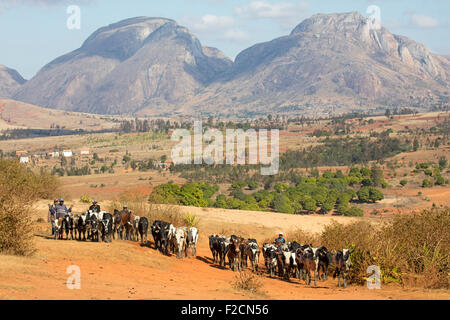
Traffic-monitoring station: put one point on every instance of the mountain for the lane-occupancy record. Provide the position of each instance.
(10, 81)
(131, 65)
(329, 63)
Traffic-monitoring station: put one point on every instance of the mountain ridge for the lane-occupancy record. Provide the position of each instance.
(328, 63)
(10, 81)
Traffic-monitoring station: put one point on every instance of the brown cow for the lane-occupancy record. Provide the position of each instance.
(126, 223)
(283, 261)
(306, 261)
(234, 254)
(243, 248)
(117, 217)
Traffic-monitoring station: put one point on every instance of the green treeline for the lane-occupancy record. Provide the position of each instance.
(331, 191)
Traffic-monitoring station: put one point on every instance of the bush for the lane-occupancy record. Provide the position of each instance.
(427, 183)
(403, 183)
(440, 180)
(247, 281)
(354, 212)
(85, 199)
(370, 194)
(281, 204)
(252, 185)
(19, 188)
(191, 220)
(409, 249)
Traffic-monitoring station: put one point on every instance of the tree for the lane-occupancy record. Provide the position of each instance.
(403, 183)
(376, 194)
(387, 113)
(364, 194)
(281, 203)
(427, 183)
(126, 158)
(309, 204)
(415, 144)
(370, 194)
(238, 185)
(327, 206)
(252, 185)
(442, 163)
(354, 212)
(376, 174)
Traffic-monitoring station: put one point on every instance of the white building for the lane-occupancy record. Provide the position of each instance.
(24, 159)
(67, 153)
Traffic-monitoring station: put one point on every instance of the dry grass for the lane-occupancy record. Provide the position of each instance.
(139, 205)
(412, 249)
(248, 281)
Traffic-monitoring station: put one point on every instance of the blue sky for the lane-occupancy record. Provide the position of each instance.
(34, 32)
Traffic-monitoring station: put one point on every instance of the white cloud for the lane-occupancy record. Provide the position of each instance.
(423, 21)
(211, 23)
(287, 14)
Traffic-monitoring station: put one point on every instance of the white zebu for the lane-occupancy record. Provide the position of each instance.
(135, 229)
(191, 240)
(179, 242)
(253, 253)
(58, 228)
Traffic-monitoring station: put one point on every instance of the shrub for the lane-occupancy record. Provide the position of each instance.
(442, 163)
(370, 194)
(85, 199)
(354, 212)
(252, 185)
(191, 220)
(19, 188)
(403, 183)
(247, 281)
(440, 180)
(281, 204)
(427, 183)
(410, 249)
(238, 185)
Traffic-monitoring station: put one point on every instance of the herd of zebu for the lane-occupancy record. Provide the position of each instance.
(93, 225)
(286, 259)
(127, 226)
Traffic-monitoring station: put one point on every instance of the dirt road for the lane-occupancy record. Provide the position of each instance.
(127, 270)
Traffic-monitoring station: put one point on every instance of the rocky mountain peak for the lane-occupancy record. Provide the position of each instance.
(331, 23)
(10, 80)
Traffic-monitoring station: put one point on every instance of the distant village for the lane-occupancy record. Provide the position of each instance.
(25, 157)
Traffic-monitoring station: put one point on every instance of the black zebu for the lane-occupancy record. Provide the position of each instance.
(160, 232)
(106, 227)
(143, 229)
(67, 226)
